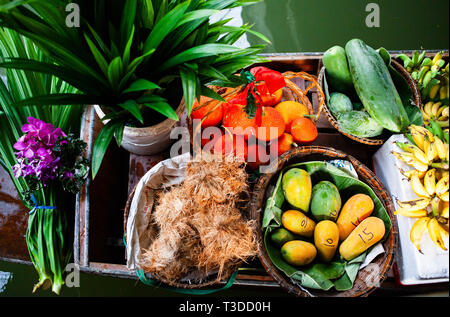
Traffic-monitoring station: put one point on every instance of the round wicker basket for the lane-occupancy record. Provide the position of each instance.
(372, 141)
(382, 262)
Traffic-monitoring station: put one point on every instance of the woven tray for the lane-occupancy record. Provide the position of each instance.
(383, 262)
(372, 141)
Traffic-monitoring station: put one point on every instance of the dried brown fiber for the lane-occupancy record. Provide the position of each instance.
(199, 223)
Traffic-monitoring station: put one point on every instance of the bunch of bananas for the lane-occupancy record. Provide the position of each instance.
(437, 112)
(428, 154)
(430, 74)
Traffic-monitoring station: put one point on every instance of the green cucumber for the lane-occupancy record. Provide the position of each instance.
(359, 123)
(339, 103)
(375, 87)
(336, 66)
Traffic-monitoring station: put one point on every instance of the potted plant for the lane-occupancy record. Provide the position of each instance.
(135, 59)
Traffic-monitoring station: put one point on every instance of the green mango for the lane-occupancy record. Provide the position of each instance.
(296, 184)
(325, 201)
(280, 236)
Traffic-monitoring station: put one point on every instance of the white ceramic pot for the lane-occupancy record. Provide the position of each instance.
(147, 140)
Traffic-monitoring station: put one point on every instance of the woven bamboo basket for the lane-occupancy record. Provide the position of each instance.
(209, 280)
(291, 92)
(380, 140)
(383, 262)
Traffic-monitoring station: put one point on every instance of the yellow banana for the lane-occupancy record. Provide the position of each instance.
(411, 213)
(408, 174)
(418, 187)
(440, 148)
(439, 111)
(444, 211)
(420, 155)
(444, 196)
(411, 160)
(436, 58)
(414, 204)
(427, 109)
(430, 181)
(444, 234)
(423, 131)
(442, 186)
(418, 139)
(433, 91)
(430, 151)
(447, 152)
(435, 109)
(434, 229)
(417, 231)
(445, 112)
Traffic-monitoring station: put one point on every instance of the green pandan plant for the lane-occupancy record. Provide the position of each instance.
(134, 58)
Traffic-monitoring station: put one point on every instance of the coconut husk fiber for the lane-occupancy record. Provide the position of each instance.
(198, 225)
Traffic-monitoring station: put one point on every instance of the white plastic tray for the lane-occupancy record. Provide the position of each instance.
(413, 267)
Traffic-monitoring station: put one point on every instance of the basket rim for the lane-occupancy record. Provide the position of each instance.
(367, 176)
(167, 281)
(371, 141)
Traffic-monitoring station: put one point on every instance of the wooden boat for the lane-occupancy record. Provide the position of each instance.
(98, 227)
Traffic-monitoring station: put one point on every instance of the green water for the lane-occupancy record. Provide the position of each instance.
(316, 25)
(292, 26)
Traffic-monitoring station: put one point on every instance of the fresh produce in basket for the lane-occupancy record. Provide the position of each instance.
(375, 87)
(291, 110)
(325, 201)
(297, 188)
(304, 131)
(355, 210)
(365, 235)
(359, 123)
(306, 244)
(336, 64)
(428, 155)
(255, 111)
(379, 98)
(296, 222)
(339, 103)
(280, 236)
(326, 239)
(298, 252)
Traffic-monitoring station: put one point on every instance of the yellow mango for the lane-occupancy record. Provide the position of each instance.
(366, 234)
(296, 222)
(356, 209)
(298, 253)
(326, 239)
(297, 186)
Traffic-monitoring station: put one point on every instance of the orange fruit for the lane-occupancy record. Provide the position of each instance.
(285, 143)
(212, 112)
(238, 122)
(257, 155)
(208, 137)
(231, 144)
(270, 118)
(291, 110)
(303, 130)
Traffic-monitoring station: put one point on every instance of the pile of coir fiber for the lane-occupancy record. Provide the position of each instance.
(199, 223)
